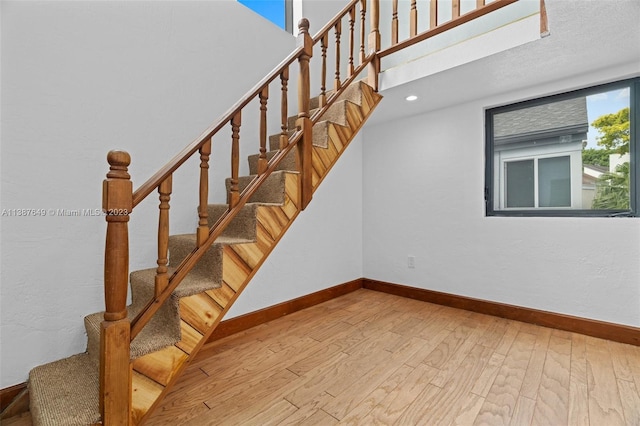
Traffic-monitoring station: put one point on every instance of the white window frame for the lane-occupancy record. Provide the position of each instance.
(575, 175)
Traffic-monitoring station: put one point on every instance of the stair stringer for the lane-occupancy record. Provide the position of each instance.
(155, 373)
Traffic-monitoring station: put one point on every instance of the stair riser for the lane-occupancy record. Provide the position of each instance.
(242, 226)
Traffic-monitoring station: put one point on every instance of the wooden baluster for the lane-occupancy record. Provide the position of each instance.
(336, 83)
(284, 134)
(363, 19)
(480, 3)
(352, 21)
(162, 278)
(455, 9)
(324, 41)
(115, 330)
(374, 33)
(433, 14)
(262, 159)
(374, 45)
(544, 23)
(234, 194)
(413, 19)
(203, 207)
(394, 24)
(305, 147)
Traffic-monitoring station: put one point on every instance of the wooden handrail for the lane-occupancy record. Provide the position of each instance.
(302, 137)
(475, 13)
(154, 181)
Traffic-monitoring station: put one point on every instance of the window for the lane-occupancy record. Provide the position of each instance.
(573, 154)
(277, 11)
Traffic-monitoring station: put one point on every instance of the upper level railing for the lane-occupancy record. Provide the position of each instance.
(343, 49)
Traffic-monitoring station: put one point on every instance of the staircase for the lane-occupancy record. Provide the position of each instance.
(65, 392)
(135, 353)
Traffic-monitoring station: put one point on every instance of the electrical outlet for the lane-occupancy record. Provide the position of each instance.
(411, 262)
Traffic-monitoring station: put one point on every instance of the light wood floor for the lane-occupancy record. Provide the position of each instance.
(372, 358)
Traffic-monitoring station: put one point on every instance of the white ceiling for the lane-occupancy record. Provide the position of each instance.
(585, 36)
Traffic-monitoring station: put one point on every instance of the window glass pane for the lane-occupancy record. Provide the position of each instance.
(554, 182)
(605, 157)
(570, 151)
(520, 186)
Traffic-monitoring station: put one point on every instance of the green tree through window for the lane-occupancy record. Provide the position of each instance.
(612, 189)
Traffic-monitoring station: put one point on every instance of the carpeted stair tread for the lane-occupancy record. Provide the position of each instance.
(163, 330)
(65, 392)
(272, 190)
(288, 163)
(336, 114)
(242, 226)
(205, 275)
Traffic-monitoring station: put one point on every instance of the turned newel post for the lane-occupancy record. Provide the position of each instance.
(115, 330)
(305, 147)
(117, 202)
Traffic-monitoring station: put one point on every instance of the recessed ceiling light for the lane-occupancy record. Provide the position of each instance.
(411, 98)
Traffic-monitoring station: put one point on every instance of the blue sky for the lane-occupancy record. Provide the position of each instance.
(273, 10)
(601, 104)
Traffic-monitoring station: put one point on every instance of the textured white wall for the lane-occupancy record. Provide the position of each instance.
(322, 248)
(79, 79)
(429, 203)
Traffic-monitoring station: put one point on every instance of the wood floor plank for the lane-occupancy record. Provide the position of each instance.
(355, 416)
(605, 406)
(633, 354)
(484, 382)
(552, 404)
(630, 398)
(578, 392)
(451, 367)
(274, 415)
(306, 414)
(621, 364)
(396, 402)
(368, 369)
(532, 377)
(433, 342)
(512, 330)
(448, 347)
(369, 353)
(220, 410)
(444, 406)
(354, 393)
(315, 384)
(523, 413)
(470, 407)
(500, 402)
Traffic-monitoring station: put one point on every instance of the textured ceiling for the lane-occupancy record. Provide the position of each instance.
(586, 36)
